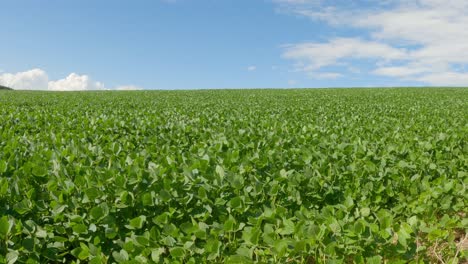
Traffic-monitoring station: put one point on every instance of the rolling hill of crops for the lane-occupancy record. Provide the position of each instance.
(234, 176)
(5, 88)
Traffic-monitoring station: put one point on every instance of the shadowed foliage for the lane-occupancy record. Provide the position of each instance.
(5, 88)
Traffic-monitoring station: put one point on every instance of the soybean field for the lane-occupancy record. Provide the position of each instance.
(234, 176)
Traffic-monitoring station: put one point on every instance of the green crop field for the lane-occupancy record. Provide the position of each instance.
(234, 176)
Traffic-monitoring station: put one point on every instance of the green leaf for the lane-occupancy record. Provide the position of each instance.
(12, 257)
(235, 202)
(374, 260)
(245, 251)
(84, 254)
(39, 170)
(22, 207)
(29, 244)
(137, 222)
(212, 246)
(3, 186)
(251, 235)
(97, 212)
(147, 199)
(365, 211)
(220, 171)
(142, 240)
(4, 227)
(156, 254)
(280, 247)
(359, 227)
(3, 166)
(404, 234)
(288, 227)
(349, 202)
(120, 256)
(41, 233)
(229, 225)
(385, 219)
(80, 229)
(177, 252)
(238, 259)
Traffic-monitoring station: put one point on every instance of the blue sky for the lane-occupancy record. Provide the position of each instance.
(189, 44)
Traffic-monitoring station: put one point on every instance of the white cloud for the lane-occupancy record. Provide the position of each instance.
(327, 14)
(252, 68)
(421, 40)
(401, 71)
(326, 75)
(37, 79)
(446, 78)
(128, 88)
(75, 82)
(317, 55)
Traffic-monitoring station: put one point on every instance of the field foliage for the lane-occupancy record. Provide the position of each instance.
(241, 176)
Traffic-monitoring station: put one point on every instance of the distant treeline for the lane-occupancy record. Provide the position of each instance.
(5, 88)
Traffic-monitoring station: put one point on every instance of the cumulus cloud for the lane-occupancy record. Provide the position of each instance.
(37, 79)
(75, 82)
(420, 40)
(252, 68)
